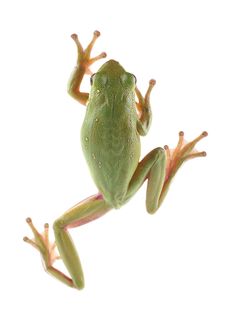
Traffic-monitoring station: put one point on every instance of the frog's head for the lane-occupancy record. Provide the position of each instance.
(112, 74)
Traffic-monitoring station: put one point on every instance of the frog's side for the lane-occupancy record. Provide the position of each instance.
(109, 134)
(110, 140)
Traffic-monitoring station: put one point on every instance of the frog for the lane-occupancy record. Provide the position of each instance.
(117, 115)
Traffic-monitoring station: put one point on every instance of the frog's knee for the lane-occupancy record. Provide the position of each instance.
(159, 153)
(58, 224)
(79, 283)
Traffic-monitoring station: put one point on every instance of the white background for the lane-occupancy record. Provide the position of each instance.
(181, 260)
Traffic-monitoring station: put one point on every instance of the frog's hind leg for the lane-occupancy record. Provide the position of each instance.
(153, 168)
(159, 167)
(84, 212)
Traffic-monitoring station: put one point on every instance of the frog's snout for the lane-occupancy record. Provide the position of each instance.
(112, 66)
(113, 62)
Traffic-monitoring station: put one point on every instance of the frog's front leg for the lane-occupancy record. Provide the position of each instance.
(84, 212)
(83, 63)
(144, 109)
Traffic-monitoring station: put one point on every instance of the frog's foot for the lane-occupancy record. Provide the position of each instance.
(176, 157)
(47, 249)
(42, 244)
(84, 59)
(183, 151)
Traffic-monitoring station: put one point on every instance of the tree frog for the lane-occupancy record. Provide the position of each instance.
(117, 114)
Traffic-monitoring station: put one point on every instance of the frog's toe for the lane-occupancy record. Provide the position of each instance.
(31, 242)
(100, 56)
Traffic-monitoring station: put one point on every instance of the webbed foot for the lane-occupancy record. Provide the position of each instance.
(84, 58)
(42, 244)
(177, 156)
(48, 252)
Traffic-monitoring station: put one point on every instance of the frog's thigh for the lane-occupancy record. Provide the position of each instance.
(151, 167)
(85, 211)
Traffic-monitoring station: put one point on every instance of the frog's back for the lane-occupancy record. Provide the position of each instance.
(111, 144)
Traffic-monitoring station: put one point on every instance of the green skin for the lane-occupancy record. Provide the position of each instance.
(110, 139)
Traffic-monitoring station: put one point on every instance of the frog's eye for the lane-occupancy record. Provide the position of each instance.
(91, 78)
(128, 79)
(135, 78)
